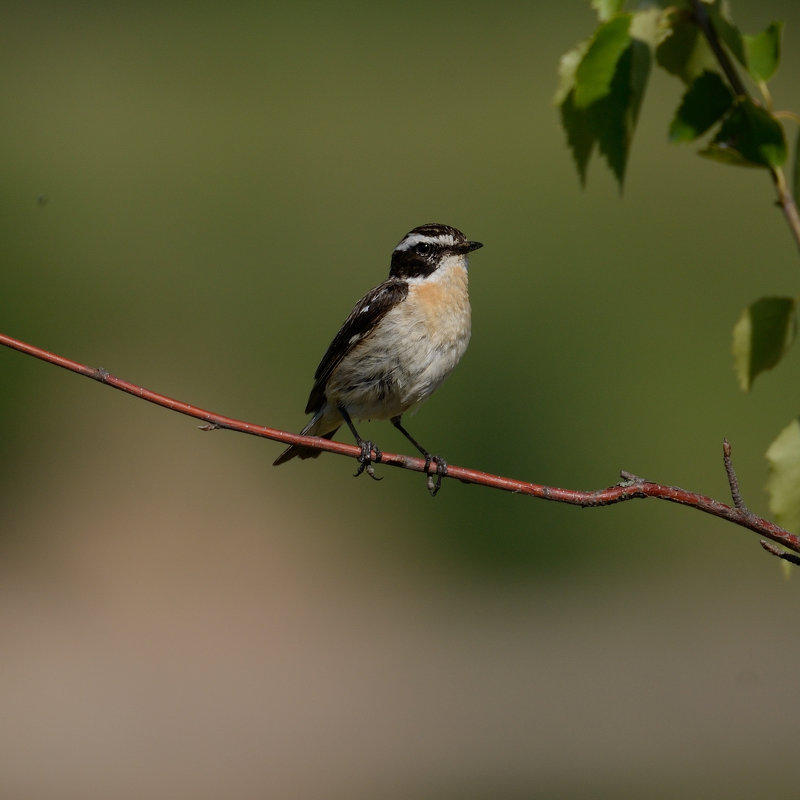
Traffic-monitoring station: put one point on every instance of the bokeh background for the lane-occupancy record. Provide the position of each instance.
(193, 197)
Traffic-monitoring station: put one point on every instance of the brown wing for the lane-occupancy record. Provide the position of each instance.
(363, 318)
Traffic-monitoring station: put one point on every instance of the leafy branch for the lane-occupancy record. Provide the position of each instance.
(760, 54)
(600, 90)
(631, 487)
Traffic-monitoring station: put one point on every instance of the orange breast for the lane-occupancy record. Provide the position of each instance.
(443, 303)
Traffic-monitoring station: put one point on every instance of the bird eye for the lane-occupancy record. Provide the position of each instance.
(424, 248)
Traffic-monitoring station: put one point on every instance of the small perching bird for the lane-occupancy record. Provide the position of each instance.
(402, 339)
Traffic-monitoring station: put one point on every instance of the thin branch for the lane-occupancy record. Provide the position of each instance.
(785, 199)
(630, 488)
(787, 203)
(776, 551)
(707, 27)
(733, 481)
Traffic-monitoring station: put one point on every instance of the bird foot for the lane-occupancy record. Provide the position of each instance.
(365, 460)
(441, 471)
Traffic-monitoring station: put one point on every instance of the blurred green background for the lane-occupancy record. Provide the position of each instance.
(193, 197)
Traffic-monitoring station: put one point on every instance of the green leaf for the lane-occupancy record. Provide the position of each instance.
(580, 134)
(610, 119)
(796, 170)
(614, 118)
(600, 90)
(749, 136)
(764, 52)
(704, 103)
(598, 66)
(783, 483)
(567, 67)
(761, 336)
(759, 54)
(645, 33)
(606, 9)
(683, 50)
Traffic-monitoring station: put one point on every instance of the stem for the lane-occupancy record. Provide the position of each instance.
(787, 203)
(630, 488)
(707, 27)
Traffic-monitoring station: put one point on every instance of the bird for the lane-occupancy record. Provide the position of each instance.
(399, 343)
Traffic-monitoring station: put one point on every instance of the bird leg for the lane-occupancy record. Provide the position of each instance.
(441, 464)
(365, 459)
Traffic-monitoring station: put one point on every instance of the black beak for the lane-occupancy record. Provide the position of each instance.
(473, 246)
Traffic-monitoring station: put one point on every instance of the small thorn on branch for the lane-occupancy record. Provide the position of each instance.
(776, 551)
(733, 481)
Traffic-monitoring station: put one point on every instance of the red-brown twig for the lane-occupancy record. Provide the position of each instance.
(776, 551)
(630, 488)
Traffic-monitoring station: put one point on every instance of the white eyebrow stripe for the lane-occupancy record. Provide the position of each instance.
(416, 238)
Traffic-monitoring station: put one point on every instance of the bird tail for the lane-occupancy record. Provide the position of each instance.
(298, 450)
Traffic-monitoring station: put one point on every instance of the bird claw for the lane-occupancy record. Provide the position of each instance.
(441, 471)
(365, 460)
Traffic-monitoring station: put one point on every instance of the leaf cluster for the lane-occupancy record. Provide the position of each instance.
(601, 85)
(603, 79)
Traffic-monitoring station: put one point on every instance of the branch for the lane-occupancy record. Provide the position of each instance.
(630, 488)
(785, 199)
(776, 551)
